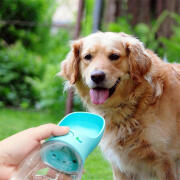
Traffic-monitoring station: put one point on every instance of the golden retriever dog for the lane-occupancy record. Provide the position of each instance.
(139, 97)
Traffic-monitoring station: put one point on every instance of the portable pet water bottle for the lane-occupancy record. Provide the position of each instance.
(63, 157)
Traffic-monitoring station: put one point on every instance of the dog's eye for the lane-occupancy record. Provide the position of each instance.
(88, 57)
(114, 57)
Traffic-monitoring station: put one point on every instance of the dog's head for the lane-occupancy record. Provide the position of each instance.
(103, 60)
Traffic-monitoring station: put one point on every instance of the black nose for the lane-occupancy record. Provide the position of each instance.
(97, 76)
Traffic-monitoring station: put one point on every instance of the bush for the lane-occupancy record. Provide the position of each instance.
(172, 45)
(55, 47)
(148, 35)
(23, 20)
(29, 55)
(122, 25)
(17, 65)
(50, 89)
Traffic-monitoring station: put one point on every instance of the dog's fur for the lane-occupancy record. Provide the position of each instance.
(142, 135)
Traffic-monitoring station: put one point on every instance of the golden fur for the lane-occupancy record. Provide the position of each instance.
(142, 135)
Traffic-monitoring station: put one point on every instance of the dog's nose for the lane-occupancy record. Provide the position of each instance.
(97, 76)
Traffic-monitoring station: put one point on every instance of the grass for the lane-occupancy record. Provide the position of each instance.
(13, 121)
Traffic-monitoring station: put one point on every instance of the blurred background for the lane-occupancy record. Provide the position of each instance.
(34, 39)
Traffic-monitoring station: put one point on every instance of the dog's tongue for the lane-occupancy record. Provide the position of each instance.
(99, 96)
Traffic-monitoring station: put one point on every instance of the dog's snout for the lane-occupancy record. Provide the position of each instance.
(97, 76)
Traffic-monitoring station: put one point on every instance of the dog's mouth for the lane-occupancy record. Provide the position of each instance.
(99, 94)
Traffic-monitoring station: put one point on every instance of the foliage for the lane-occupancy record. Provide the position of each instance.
(172, 45)
(87, 23)
(122, 25)
(29, 66)
(17, 65)
(56, 47)
(30, 79)
(148, 35)
(21, 20)
(50, 89)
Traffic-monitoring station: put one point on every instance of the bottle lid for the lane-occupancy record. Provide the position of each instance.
(62, 157)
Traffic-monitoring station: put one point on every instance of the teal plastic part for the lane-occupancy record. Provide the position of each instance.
(71, 150)
(61, 157)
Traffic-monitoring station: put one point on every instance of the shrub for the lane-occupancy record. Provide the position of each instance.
(17, 65)
(122, 25)
(55, 47)
(49, 89)
(172, 45)
(24, 20)
(29, 55)
(148, 34)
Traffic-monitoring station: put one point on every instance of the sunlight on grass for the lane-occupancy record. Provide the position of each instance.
(13, 121)
(96, 168)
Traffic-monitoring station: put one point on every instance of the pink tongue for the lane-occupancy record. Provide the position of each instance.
(99, 96)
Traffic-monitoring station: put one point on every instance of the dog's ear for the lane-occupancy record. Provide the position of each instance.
(138, 59)
(70, 66)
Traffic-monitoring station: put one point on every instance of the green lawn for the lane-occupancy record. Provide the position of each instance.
(12, 121)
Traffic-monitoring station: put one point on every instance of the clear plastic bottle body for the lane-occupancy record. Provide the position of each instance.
(36, 167)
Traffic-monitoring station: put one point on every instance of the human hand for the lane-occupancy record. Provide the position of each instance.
(15, 148)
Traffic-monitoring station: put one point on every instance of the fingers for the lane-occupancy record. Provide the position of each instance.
(47, 130)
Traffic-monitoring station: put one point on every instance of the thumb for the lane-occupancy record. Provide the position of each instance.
(44, 131)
